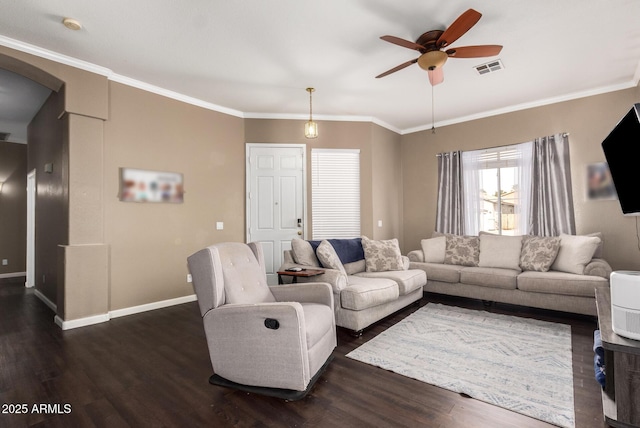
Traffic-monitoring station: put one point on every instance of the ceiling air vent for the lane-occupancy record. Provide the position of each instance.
(4, 136)
(489, 67)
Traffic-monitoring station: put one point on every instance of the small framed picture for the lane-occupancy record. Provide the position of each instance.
(138, 185)
(599, 183)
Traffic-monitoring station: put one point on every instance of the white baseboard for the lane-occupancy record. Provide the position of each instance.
(45, 299)
(12, 274)
(152, 306)
(97, 319)
(80, 322)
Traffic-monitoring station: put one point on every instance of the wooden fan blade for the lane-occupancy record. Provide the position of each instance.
(402, 42)
(460, 26)
(397, 68)
(436, 76)
(474, 51)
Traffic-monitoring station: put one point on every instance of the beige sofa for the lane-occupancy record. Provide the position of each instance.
(361, 296)
(568, 285)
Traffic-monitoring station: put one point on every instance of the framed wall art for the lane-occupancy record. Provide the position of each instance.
(139, 185)
(599, 182)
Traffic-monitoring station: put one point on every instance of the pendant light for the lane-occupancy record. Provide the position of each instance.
(310, 128)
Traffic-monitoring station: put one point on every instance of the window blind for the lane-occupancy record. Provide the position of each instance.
(335, 193)
(499, 157)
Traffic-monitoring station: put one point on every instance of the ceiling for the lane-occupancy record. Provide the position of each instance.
(254, 58)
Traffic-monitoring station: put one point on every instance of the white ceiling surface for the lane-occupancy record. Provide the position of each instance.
(256, 57)
(20, 100)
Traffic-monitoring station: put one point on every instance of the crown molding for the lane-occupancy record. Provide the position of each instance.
(322, 117)
(93, 68)
(174, 95)
(54, 56)
(523, 106)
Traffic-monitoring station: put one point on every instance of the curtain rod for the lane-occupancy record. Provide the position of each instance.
(564, 134)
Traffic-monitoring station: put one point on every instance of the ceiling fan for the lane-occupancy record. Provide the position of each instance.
(431, 45)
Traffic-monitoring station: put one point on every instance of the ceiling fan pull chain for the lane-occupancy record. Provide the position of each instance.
(433, 112)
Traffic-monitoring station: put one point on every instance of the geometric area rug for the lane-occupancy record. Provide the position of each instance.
(520, 364)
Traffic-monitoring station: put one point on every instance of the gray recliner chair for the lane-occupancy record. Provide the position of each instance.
(270, 340)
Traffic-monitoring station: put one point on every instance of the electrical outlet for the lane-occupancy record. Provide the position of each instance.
(5, 262)
(379, 223)
(44, 278)
(219, 225)
(189, 278)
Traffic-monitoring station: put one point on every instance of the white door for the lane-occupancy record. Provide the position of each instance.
(31, 229)
(275, 200)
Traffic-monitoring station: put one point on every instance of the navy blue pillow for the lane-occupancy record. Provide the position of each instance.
(348, 250)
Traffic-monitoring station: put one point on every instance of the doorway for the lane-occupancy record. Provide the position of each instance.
(276, 199)
(31, 229)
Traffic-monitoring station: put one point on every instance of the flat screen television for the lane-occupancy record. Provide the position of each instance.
(620, 151)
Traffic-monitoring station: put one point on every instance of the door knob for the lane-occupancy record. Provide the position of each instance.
(299, 232)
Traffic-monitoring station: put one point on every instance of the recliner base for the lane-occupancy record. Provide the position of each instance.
(284, 394)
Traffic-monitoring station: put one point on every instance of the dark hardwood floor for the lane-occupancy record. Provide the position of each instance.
(151, 370)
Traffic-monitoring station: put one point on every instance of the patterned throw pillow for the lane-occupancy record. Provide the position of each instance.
(382, 256)
(539, 252)
(328, 257)
(462, 250)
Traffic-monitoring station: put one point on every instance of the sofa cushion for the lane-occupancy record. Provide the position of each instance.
(363, 293)
(407, 280)
(462, 250)
(600, 249)
(434, 249)
(328, 257)
(440, 272)
(500, 251)
(355, 267)
(539, 252)
(560, 283)
(303, 253)
(489, 277)
(382, 256)
(575, 252)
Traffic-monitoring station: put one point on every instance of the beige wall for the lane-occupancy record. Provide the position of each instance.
(150, 242)
(13, 207)
(587, 120)
(379, 164)
(120, 255)
(83, 99)
(386, 168)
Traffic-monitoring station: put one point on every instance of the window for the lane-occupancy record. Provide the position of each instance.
(495, 184)
(335, 193)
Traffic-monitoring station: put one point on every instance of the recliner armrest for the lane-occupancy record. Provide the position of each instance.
(244, 349)
(308, 292)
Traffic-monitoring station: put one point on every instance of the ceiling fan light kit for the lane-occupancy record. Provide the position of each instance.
(311, 127)
(431, 46)
(432, 60)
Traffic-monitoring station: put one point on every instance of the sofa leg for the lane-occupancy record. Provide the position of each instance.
(356, 333)
(487, 303)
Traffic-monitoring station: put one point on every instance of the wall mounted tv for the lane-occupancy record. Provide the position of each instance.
(620, 151)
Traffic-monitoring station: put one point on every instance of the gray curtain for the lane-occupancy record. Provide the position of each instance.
(449, 215)
(551, 209)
